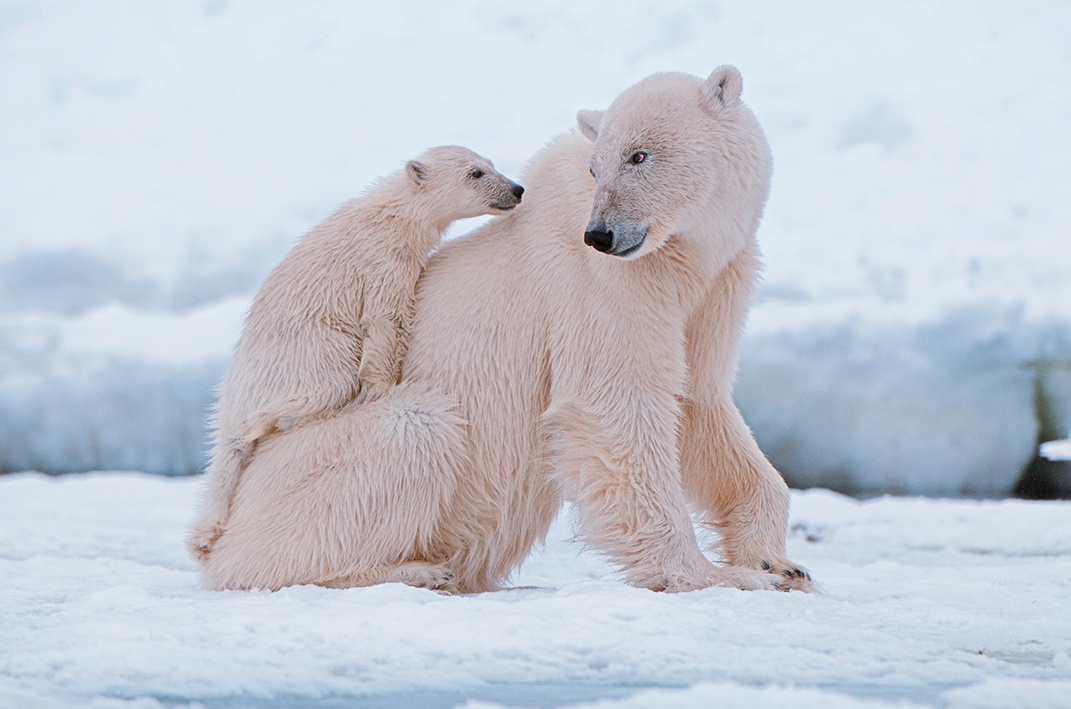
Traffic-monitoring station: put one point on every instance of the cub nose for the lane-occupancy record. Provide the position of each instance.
(517, 190)
(599, 239)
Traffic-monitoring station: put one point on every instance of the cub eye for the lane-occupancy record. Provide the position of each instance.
(592, 174)
(637, 157)
(476, 173)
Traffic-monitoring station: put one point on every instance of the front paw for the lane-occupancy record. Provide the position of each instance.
(738, 577)
(748, 579)
(790, 577)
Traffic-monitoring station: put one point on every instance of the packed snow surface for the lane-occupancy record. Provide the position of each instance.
(927, 603)
(914, 329)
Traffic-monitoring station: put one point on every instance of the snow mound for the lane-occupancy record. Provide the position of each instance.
(946, 407)
(913, 333)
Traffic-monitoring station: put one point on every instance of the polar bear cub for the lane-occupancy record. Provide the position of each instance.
(331, 322)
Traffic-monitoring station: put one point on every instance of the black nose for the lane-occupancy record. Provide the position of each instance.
(517, 190)
(599, 240)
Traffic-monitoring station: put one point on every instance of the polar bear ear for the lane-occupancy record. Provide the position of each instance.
(588, 122)
(417, 171)
(723, 86)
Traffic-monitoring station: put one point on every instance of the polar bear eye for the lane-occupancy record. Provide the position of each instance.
(637, 157)
(476, 173)
(592, 174)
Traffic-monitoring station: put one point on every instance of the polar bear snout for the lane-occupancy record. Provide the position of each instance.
(599, 237)
(623, 242)
(510, 197)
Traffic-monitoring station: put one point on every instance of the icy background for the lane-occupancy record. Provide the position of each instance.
(914, 330)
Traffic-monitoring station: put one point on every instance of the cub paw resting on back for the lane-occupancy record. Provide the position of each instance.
(331, 322)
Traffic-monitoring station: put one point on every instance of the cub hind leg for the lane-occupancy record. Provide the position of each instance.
(229, 459)
(349, 500)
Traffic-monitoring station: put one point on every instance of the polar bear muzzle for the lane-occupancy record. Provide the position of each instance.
(510, 198)
(622, 242)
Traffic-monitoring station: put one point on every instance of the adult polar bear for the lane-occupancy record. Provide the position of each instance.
(542, 369)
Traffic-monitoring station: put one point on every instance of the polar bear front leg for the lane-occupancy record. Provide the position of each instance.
(630, 503)
(744, 497)
(387, 325)
(379, 356)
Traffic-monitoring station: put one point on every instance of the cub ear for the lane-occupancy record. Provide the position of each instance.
(723, 86)
(588, 122)
(417, 171)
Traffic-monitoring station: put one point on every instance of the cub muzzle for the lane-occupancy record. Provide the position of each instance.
(510, 198)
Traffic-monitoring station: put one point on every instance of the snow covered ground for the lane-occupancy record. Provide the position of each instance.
(914, 330)
(927, 603)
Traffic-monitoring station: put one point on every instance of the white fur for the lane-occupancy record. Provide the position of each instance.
(331, 322)
(541, 370)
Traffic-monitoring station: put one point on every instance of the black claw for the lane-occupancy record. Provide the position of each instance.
(765, 565)
(788, 573)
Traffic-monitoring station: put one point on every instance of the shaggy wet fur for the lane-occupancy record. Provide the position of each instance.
(542, 370)
(331, 323)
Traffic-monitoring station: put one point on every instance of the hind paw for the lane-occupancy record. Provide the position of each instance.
(203, 540)
(435, 577)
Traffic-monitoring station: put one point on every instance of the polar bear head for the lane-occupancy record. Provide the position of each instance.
(456, 183)
(675, 156)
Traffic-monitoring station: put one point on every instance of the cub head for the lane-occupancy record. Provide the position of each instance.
(675, 156)
(461, 184)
